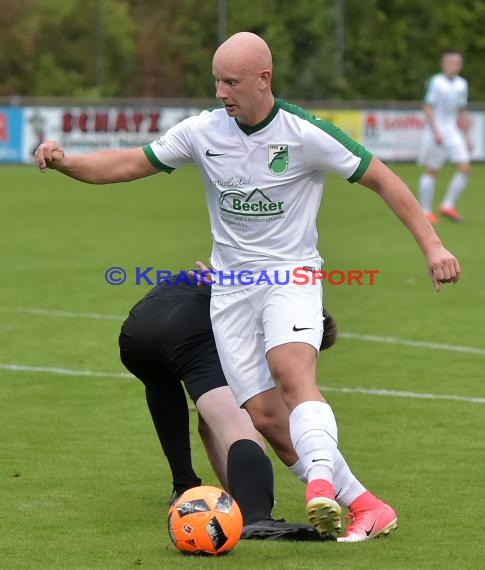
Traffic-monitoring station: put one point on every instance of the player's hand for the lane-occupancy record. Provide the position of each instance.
(443, 267)
(329, 331)
(47, 153)
(203, 276)
(438, 139)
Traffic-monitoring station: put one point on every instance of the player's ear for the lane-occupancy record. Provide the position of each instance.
(265, 79)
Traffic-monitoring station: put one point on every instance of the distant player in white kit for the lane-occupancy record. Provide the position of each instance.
(446, 137)
(263, 163)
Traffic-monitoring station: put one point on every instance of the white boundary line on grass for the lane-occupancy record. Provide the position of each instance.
(68, 314)
(63, 371)
(351, 336)
(402, 394)
(366, 391)
(413, 343)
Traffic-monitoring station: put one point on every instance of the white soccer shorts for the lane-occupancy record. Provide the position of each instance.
(249, 322)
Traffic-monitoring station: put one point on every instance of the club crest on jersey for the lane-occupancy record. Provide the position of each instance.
(278, 160)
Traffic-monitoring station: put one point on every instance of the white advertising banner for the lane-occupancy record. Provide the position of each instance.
(390, 135)
(86, 129)
(396, 135)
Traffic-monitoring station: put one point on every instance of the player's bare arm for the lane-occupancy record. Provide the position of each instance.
(429, 113)
(102, 167)
(464, 123)
(443, 267)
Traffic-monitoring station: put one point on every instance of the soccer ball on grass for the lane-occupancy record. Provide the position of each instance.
(205, 520)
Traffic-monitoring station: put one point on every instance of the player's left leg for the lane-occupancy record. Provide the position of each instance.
(456, 187)
(459, 155)
(426, 191)
(432, 157)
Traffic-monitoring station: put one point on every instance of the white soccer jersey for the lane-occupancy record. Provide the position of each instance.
(263, 183)
(446, 96)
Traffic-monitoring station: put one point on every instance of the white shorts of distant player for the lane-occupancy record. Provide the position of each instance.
(249, 322)
(453, 149)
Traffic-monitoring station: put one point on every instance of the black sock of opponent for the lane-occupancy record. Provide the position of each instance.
(251, 481)
(170, 415)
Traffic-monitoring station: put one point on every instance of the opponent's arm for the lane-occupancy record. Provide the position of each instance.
(100, 167)
(443, 267)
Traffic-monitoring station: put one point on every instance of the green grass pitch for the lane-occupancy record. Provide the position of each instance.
(83, 484)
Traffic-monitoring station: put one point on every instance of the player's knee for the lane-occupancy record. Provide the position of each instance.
(266, 424)
(293, 363)
(284, 370)
(268, 420)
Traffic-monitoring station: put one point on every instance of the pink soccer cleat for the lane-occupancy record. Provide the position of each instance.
(451, 214)
(323, 511)
(369, 518)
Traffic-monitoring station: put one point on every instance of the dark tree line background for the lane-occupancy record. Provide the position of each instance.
(322, 49)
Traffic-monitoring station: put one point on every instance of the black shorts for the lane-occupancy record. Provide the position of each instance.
(168, 337)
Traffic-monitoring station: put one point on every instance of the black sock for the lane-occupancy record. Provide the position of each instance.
(170, 415)
(250, 479)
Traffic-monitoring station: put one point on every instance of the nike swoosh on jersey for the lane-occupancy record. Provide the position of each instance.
(209, 153)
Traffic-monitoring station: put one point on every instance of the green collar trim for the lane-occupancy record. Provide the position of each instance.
(250, 129)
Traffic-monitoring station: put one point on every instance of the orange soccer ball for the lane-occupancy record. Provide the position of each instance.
(205, 520)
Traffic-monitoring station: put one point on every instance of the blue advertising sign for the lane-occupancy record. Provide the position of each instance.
(11, 134)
